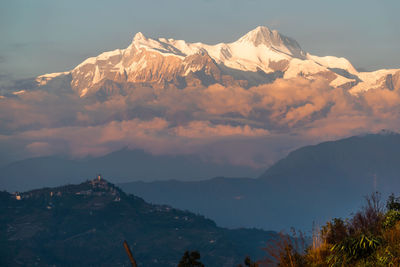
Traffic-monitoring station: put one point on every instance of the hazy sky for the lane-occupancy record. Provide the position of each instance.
(45, 36)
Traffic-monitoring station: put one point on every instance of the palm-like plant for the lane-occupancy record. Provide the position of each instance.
(353, 249)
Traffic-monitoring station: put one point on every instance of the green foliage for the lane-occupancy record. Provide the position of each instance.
(353, 249)
(190, 260)
(335, 231)
(391, 218)
(370, 238)
(393, 203)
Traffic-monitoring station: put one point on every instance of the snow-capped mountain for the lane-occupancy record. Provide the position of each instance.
(260, 56)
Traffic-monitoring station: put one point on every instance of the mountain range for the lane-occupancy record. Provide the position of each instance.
(245, 103)
(259, 57)
(191, 111)
(313, 183)
(86, 225)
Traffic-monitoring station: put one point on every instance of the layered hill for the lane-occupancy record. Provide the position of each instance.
(121, 166)
(259, 57)
(86, 224)
(313, 183)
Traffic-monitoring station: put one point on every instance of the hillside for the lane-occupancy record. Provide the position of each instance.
(86, 224)
(313, 183)
(121, 166)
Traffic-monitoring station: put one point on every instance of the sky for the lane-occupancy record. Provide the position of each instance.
(263, 122)
(47, 36)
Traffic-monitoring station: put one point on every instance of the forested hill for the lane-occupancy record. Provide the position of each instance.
(86, 224)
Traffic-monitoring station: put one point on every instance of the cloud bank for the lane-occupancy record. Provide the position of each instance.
(254, 126)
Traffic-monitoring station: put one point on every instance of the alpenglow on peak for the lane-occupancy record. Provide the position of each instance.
(259, 57)
(139, 36)
(272, 38)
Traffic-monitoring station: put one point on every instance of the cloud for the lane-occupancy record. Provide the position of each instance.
(253, 126)
(156, 135)
(39, 148)
(206, 130)
(94, 140)
(37, 109)
(383, 102)
(214, 100)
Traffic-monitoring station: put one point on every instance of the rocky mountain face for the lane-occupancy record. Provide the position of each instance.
(86, 224)
(259, 57)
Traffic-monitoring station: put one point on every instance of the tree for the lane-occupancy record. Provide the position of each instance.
(393, 203)
(248, 263)
(287, 250)
(190, 259)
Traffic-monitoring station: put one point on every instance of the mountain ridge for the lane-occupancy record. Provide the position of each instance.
(121, 165)
(313, 183)
(165, 62)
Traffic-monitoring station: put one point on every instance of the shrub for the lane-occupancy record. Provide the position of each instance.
(370, 238)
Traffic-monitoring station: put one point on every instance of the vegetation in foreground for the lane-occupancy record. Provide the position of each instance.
(371, 237)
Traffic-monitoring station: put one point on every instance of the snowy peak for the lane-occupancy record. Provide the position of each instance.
(161, 45)
(271, 38)
(260, 56)
(139, 37)
(261, 35)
